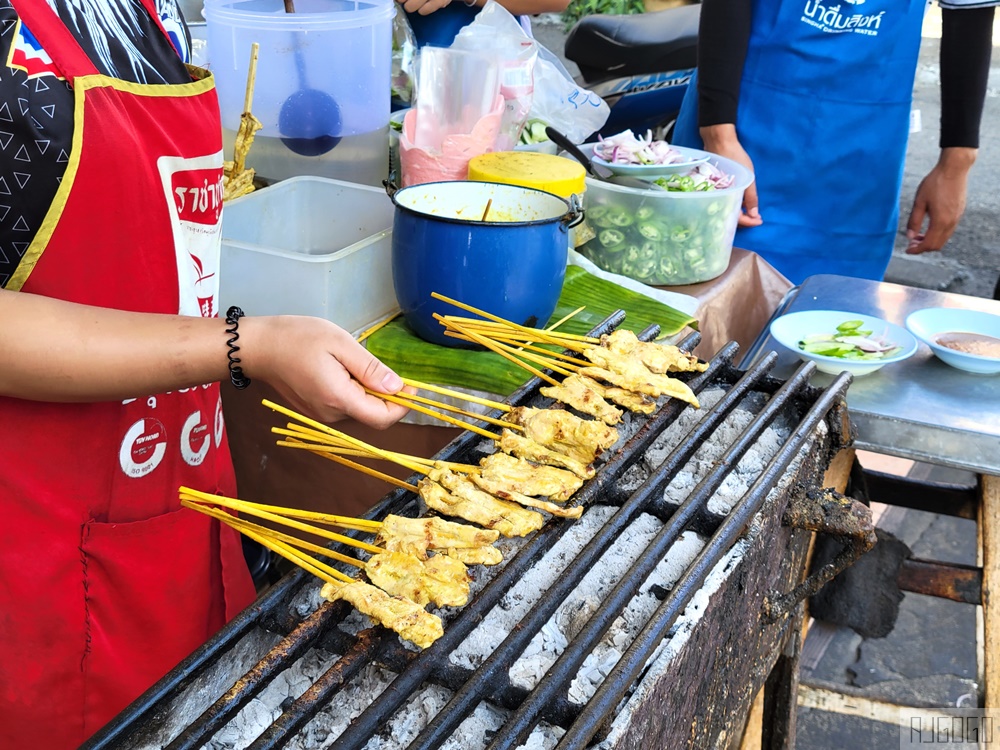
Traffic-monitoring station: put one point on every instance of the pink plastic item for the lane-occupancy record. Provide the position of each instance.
(420, 165)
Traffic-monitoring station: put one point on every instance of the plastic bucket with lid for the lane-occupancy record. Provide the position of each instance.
(341, 48)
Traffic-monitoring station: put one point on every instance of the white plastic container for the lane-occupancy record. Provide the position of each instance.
(310, 246)
(322, 86)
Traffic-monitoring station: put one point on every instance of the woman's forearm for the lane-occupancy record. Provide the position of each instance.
(51, 350)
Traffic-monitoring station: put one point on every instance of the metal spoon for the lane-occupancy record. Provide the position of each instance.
(599, 171)
(309, 115)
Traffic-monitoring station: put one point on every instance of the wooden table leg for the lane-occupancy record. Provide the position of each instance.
(989, 560)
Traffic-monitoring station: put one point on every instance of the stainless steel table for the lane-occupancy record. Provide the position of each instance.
(924, 410)
(921, 408)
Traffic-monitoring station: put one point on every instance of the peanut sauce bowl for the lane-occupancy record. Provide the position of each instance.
(930, 324)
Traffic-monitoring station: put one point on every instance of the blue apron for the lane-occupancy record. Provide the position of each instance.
(824, 113)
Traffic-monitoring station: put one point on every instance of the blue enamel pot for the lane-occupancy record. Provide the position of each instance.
(511, 265)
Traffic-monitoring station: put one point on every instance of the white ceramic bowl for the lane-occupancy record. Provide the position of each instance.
(927, 324)
(789, 330)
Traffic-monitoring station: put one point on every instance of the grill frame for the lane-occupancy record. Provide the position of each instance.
(273, 611)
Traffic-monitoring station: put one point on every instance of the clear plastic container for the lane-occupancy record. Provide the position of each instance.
(310, 246)
(323, 76)
(664, 238)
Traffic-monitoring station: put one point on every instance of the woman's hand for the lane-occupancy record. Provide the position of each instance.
(722, 140)
(319, 369)
(941, 200)
(423, 7)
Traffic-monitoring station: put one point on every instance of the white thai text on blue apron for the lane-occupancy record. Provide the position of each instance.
(831, 20)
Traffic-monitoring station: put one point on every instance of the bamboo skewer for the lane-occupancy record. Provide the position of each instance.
(463, 412)
(245, 507)
(492, 346)
(330, 452)
(299, 558)
(369, 331)
(491, 330)
(551, 363)
(457, 394)
(240, 525)
(488, 316)
(431, 412)
(354, 442)
(407, 461)
(346, 522)
(425, 464)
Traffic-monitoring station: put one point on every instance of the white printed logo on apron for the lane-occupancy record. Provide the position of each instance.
(143, 447)
(193, 189)
(196, 439)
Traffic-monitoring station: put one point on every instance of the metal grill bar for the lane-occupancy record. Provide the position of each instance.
(464, 702)
(277, 659)
(630, 666)
(364, 726)
(559, 675)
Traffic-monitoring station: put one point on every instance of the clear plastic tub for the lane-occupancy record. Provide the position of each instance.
(310, 246)
(664, 238)
(338, 52)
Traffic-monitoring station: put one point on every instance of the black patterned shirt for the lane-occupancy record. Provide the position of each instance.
(36, 102)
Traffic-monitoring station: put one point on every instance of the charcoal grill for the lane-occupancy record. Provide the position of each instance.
(710, 637)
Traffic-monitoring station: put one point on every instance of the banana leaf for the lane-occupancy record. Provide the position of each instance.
(412, 357)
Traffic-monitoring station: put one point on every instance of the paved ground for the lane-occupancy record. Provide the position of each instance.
(929, 658)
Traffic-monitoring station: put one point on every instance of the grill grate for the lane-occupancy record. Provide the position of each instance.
(795, 400)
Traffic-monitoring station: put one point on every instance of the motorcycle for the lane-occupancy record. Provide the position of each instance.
(640, 65)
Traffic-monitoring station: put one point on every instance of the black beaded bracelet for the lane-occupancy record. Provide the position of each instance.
(233, 316)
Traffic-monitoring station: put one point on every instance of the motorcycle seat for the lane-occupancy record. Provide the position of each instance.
(605, 46)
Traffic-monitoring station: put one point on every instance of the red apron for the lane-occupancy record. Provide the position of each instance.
(106, 583)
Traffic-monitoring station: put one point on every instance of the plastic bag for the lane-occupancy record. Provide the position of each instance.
(575, 111)
(404, 51)
(496, 31)
(556, 99)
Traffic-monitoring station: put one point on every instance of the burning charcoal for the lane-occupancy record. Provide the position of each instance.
(658, 591)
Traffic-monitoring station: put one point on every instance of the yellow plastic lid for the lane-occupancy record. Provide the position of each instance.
(553, 174)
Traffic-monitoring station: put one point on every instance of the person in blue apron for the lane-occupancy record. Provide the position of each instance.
(437, 22)
(814, 96)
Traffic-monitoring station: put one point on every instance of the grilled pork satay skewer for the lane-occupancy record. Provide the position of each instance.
(633, 375)
(559, 430)
(502, 472)
(455, 495)
(583, 395)
(414, 536)
(528, 502)
(526, 448)
(443, 582)
(659, 358)
(397, 613)
(469, 544)
(403, 616)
